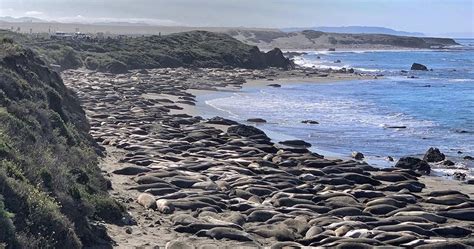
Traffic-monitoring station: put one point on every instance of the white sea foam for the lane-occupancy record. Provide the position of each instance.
(460, 80)
(324, 64)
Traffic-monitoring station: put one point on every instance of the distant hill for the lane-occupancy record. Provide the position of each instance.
(20, 19)
(357, 30)
(318, 40)
(186, 49)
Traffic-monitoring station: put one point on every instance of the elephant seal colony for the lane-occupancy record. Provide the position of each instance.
(189, 182)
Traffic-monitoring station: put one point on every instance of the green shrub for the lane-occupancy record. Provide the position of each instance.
(7, 231)
(49, 175)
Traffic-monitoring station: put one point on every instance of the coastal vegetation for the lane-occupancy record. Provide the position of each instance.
(187, 49)
(51, 189)
(311, 39)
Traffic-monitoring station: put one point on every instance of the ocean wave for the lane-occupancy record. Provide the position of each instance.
(324, 64)
(214, 103)
(344, 112)
(460, 80)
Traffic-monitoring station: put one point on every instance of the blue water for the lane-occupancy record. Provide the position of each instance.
(437, 107)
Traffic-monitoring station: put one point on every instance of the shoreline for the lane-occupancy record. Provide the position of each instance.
(209, 111)
(193, 182)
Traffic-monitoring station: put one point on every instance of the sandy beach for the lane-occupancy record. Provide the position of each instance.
(189, 182)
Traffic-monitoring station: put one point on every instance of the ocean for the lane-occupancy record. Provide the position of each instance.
(435, 107)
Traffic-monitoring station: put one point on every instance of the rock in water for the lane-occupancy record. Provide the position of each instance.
(309, 122)
(419, 67)
(357, 155)
(414, 164)
(434, 155)
(468, 158)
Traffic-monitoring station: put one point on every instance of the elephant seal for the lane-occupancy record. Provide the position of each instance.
(226, 233)
(131, 170)
(164, 206)
(147, 200)
(459, 214)
(452, 231)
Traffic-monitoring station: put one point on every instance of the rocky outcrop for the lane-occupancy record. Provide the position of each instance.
(275, 58)
(434, 155)
(357, 155)
(414, 164)
(419, 67)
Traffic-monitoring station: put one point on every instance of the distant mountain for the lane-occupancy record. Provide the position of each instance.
(20, 19)
(356, 30)
(123, 24)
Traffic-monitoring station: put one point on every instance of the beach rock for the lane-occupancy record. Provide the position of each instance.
(357, 155)
(256, 120)
(434, 155)
(420, 67)
(415, 164)
(295, 143)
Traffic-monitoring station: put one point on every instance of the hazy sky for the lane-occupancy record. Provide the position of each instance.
(428, 16)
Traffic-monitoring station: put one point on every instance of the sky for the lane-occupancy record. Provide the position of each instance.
(427, 16)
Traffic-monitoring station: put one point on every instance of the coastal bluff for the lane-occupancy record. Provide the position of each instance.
(52, 191)
(193, 49)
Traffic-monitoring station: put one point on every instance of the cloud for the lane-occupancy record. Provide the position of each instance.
(33, 13)
(90, 20)
(7, 12)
